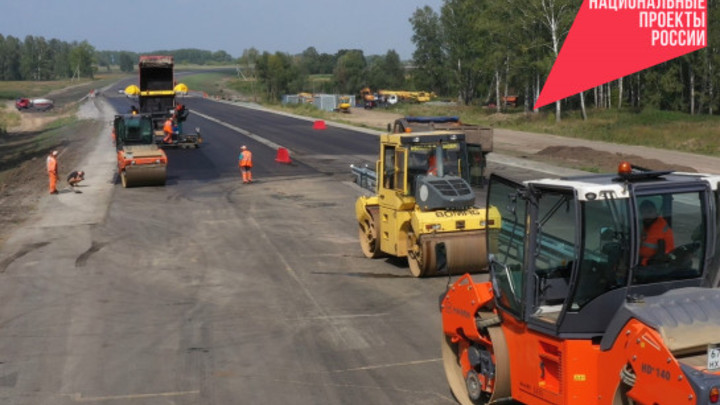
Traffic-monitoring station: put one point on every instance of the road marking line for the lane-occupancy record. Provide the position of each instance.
(408, 363)
(340, 333)
(247, 133)
(78, 397)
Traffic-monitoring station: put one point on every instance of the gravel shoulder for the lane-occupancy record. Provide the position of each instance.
(24, 182)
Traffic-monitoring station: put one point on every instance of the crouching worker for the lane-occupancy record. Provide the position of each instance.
(75, 177)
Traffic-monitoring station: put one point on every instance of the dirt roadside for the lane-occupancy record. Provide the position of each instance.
(23, 176)
(562, 151)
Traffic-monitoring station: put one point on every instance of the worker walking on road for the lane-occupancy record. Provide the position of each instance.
(52, 169)
(245, 163)
(168, 130)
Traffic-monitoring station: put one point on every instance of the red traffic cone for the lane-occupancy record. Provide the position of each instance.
(319, 124)
(282, 156)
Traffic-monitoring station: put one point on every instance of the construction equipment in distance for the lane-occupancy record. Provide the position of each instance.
(479, 139)
(157, 98)
(140, 161)
(344, 105)
(367, 98)
(33, 104)
(409, 96)
(572, 315)
(423, 207)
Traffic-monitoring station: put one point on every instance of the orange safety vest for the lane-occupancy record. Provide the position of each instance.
(52, 165)
(167, 128)
(659, 230)
(246, 158)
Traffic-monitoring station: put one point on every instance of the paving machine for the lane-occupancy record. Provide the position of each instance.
(423, 207)
(479, 139)
(140, 161)
(577, 311)
(156, 97)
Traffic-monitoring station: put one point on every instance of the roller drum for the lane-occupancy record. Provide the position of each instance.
(144, 175)
(465, 252)
(501, 389)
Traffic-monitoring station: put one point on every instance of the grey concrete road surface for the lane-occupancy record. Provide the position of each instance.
(208, 291)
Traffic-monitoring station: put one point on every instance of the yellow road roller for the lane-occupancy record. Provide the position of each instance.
(140, 161)
(424, 207)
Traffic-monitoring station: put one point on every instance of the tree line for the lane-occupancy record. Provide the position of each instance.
(127, 61)
(482, 51)
(36, 58)
(347, 71)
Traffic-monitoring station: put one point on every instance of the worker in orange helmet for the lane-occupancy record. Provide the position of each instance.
(168, 130)
(657, 237)
(52, 169)
(245, 163)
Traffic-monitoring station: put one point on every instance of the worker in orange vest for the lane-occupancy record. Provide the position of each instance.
(168, 130)
(52, 169)
(245, 163)
(657, 237)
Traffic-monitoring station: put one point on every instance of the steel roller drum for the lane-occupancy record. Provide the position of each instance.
(144, 175)
(465, 252)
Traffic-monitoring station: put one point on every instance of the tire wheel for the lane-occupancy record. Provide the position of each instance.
(123, 179)
(369, 239)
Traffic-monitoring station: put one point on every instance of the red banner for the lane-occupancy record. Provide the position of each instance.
(610, 39)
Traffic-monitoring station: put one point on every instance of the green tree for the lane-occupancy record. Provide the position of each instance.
(386, 72)
(10, 59)
(221, 57)
(61, 59)
(276, 72)
(126, 62)
(466, 46)
(429, 57)
(81, 59)
(349, 73)
(309, 59)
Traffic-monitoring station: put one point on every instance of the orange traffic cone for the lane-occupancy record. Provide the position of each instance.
(319, 124)
(283, 156)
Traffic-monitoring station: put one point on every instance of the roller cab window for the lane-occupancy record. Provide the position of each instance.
(670, 237)
(507, 246)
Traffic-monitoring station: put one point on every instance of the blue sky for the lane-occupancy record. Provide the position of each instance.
(375, 26)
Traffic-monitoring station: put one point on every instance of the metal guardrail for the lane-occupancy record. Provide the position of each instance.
(364, 177)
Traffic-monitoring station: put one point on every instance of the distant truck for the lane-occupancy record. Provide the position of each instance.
(157, 93)
(33, 104)
(156, 98)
